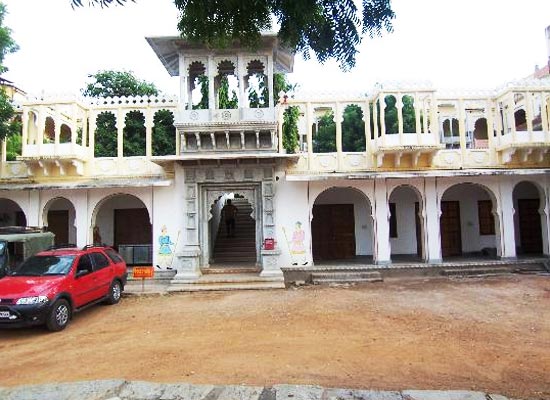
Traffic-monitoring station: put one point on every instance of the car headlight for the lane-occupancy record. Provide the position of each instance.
(33, 300)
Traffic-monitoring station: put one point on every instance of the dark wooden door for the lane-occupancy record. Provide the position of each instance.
(451, 241)
(530, 229)
(333, 231)
(132, 226)
(58, 224)
(418, 229)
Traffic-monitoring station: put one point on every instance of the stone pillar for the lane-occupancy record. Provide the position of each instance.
(270, 77)
(434, 118)
(57, 132)
(309, 122)
(489, 116)
(507, 228)
(399, 105)
(462, 129)
(92, 122)
(121, 115)
(431, 222)
(241, 73)
(368, 133)
(183, 83)
(382, 247)
(25, 131)
(338, 119)
(211, 71)
(280, 119)
(41, 128)
(148, 133)
(81, 219)
(382, 118)
(33, 216)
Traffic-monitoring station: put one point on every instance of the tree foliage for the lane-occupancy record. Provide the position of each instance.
(328, 28)
(224, 101)
(324, 139)
(109, 83)
(290, 129)
(123, 83)
(353, 129)
(8, 125)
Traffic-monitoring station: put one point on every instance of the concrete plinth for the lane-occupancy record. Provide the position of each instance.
(270, 267)
(187, 266)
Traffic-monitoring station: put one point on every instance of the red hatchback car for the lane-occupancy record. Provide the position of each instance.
(50, 286)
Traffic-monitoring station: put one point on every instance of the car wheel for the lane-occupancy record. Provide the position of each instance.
(115, 293)
(59, 316)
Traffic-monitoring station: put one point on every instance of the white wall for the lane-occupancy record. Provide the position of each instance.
(405, 242)
(362, 214)
(291, 205)
(468, 196)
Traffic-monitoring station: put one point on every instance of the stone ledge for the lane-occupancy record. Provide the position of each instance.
(141, 390)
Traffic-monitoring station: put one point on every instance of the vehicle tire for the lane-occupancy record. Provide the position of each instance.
(59, 317)
(115, 292)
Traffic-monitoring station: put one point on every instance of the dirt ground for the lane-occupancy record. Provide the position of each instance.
(489, 334)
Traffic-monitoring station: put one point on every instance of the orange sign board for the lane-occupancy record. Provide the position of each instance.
(143, 272)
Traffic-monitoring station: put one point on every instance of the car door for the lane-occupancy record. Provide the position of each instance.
(103, 269)
(85, 286)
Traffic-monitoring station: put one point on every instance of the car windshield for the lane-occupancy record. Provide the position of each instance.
(2, 246)
(44, 265)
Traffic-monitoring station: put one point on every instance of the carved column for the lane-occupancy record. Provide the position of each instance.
(382, 119)
(121, 115)
(309, 122)
(338, 119)
(92, 122)
(148, 133)
(462, 129)
(270, 258)
(368, 134)
(399, 105)
(211, 71)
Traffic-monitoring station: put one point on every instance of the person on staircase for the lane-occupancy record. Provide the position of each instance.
(229, 211)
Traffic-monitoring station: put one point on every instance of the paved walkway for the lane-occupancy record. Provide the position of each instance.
(136, 390)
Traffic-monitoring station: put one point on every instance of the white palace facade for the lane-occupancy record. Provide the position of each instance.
(461, 175)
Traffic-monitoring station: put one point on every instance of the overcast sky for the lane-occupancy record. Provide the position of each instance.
(452, 43)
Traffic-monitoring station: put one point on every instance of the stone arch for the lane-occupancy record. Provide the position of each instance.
(49, 130)
(530, 218)
(342, 225)
(124, 222)
(405, 215)
(520, 120)
(390, 115)
(11, 213)
(65, 134)
(164, 133)
(409, 114)
(226, 85)
(105, 135)
(32, 128)
(353, 129)
(324, 130)
(238, 245)
(134, 141)
(59, 215)
(256, 85)
(469, 216)
(198, 85)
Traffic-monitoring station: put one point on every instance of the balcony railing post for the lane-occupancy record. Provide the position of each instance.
(529, 113)
(338, 121)
(25, 129)
(462, 129)
(418, 127)
(366, 119)
(121, 115)
(382, 118)
(148, 133)
(309, 128)
(490, 128)
(399, 105)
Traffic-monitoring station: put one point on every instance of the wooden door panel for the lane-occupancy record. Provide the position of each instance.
(451, 240)
(132, 226)
(58, 224)
(530, 229)
(333, 231)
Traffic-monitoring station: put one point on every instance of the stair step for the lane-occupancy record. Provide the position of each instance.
(191, 287)
(230, 269)
(476, 271)
(346, 277)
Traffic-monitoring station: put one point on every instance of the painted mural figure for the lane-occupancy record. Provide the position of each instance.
(297, 246)
(96, 235)
(165, 249)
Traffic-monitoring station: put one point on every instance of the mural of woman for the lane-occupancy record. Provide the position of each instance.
(297, 246)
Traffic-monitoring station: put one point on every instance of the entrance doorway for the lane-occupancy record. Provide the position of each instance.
(122, 221)
(59, 216)
(469, 225)
(333, 229)
(451, 241)
(342, 226)
(528, 219)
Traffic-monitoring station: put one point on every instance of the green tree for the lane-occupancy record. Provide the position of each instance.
(164, 133)
(290, 129)
(324, 139)
(124, 83)
(109, 83)
(328, 28)
(353, 129)
(224, 102)
(7, 46)
(202, 80)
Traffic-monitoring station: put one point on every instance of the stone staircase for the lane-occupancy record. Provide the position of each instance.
(345, 277)
(242, 247)
(229, 280)
(495, 270)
